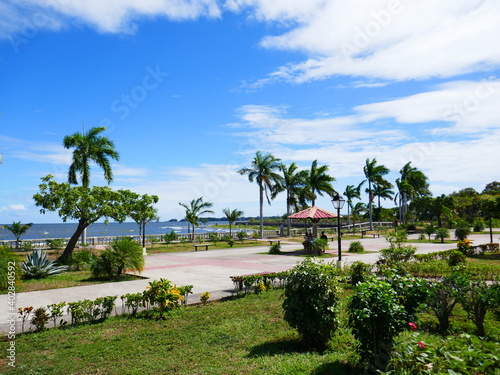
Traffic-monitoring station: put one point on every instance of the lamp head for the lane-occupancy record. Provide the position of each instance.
(338, 202)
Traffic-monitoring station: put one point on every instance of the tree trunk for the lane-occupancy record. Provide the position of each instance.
(261, 201)
(68, 251)
(370, 206)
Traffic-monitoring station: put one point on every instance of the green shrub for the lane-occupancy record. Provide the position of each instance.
(81, 259)
(37, 266)
(477, 301)
(456, 258)
(376, 318)
(478, 225)
(9, 269)
(442, 234)
(319, 245)
(356, 247)
(40, 318)
(170, 237)
(445, 294)
(462, 230)
(241, 235)
(213, 237)
(311, 305)
(275, 249)
(125, 254)
(462, 354)
(360, 272)
(56, 243)
(412, 293)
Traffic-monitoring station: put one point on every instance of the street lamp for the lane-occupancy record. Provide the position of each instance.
(338, 202)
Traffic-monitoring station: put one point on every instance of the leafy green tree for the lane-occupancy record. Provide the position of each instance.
(350, 193)
(489, 206)
(293, 183)
(318, 181)
(87, 205)
(140, 208)
(412, 184)
(374, 175)
(232, 216)
(493, 188)
(264, 171)
(194, 210)
(18, 230)
(90, 147)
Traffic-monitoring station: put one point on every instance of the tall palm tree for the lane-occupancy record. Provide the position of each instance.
(232, 216)
(194, 210)
(318, 181)
(382, 190)
(357, 210)
(18, 230)
(293, 183)
(264, 171)
(350, 193)
(89, 147)
(413, 183)
(373, 174)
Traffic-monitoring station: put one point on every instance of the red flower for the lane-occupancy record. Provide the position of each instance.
(413, 326)
(422, 345)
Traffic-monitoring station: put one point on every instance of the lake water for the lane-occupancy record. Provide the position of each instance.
(66, 230)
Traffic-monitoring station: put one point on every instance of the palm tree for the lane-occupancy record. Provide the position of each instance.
(18, 230)
(194, 210)
(373, 174)
(232, 216)
(350, 193)
(318, 181)
(358, 209)
(382, 190)
(413, 183)
(293, 183)
(90, 147)
(264, 171)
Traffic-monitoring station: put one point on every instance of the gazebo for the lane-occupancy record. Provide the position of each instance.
(315, 214)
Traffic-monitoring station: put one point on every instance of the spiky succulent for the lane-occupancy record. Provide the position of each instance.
(38, 265)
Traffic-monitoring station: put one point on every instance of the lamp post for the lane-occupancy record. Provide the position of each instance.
(338, 202)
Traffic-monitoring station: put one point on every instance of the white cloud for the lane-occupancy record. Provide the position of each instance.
(22, 19)
(387, 39)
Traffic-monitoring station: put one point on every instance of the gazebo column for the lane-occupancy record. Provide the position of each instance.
(315, 227)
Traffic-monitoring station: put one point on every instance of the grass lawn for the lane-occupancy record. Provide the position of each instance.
(242, 336)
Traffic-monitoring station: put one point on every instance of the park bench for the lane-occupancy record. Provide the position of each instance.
(272, 241)
(205, 245)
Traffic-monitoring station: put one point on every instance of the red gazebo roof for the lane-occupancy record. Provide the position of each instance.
(313, 213)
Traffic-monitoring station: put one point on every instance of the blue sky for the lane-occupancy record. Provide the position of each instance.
(190, 90)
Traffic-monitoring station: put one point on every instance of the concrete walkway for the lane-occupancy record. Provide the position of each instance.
(205, 270)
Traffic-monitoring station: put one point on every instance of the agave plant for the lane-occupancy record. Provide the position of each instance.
(38, 266)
